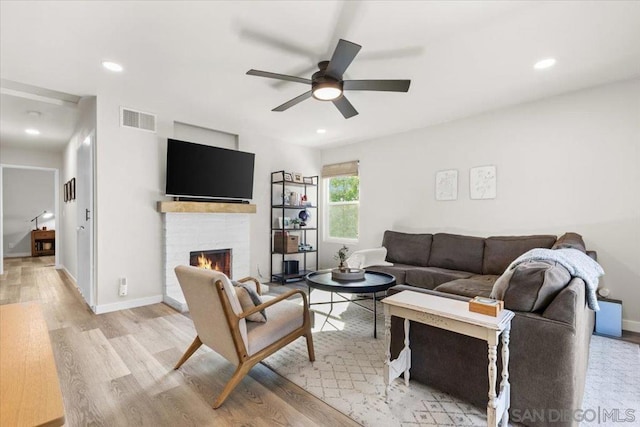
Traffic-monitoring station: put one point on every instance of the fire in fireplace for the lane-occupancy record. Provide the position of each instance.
(216, 259)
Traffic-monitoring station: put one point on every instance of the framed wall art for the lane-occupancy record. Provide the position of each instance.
(482, 182)
(447, 185)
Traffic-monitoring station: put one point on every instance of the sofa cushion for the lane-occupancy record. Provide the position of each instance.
(471, 287)
(405, 248)
(570, 241)
(399, 271)
(457, 252)
(531, 286)
(431, 277)
(500, 251)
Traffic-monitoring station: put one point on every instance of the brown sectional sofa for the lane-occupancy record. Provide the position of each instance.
(549, 341)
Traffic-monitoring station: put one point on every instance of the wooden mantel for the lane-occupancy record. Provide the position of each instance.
(206, 207)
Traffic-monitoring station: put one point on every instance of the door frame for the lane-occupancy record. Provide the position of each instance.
(56, 195)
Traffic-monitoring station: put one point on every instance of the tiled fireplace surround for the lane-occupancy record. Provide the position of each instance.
(187, 232)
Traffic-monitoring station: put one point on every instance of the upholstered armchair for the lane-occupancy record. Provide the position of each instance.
(222, 324)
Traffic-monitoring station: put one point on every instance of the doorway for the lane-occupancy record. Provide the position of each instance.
(28, 196)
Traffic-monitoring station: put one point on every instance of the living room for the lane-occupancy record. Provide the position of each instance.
(564, 140)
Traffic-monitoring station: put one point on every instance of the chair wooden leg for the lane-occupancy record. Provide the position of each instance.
(187, 354)
(312, 354)
(238, 375)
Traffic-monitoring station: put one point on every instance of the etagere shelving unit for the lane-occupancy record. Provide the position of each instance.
(286, 204)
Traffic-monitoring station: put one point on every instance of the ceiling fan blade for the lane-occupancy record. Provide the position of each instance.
(377, 85)
(345, 107)
(278, 76)
(300, 72)
(344, 18)
(273, 41)
(294, 101)
(342, 58)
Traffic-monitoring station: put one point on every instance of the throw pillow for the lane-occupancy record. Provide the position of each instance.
(531, 286)
(249, 298)
(570, 241)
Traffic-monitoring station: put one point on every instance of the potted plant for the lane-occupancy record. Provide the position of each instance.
(342, 257)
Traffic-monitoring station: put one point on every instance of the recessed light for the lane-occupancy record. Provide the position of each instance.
(32, 131)
(545, 63)
(321, 131)
(112, 66)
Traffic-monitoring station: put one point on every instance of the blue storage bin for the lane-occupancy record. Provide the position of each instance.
(609, 318)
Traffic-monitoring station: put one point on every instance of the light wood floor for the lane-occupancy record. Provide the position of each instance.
(115, 369)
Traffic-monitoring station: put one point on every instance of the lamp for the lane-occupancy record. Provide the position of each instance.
(326, 89)
(45, 215)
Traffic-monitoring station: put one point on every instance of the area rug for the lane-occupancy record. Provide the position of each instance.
(348, 375)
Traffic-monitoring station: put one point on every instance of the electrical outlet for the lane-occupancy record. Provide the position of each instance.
(123, 286)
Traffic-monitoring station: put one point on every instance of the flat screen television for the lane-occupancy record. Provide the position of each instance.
(202, 171)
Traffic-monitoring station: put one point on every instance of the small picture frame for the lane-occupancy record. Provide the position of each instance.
(284, 222)
(307, 180)
(287, 177)
(297, 177)
(72, 190)
(65, 190)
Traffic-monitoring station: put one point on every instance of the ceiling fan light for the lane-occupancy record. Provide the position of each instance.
(327, 91)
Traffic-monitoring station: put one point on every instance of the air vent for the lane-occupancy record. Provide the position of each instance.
(137, 119)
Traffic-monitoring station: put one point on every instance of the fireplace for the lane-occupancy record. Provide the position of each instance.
(215, 259)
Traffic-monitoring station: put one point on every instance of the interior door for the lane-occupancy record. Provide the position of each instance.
(85, 215)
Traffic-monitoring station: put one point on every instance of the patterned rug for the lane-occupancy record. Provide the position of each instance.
(348, 375)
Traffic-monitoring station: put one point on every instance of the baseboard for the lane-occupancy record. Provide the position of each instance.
(631, 325)
(181, 306)
(18, 255)
(69, 275)
(116, 306)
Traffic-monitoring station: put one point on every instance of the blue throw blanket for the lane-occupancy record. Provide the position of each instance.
(577, 263)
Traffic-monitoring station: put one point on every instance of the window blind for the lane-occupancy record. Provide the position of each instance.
(340, 169)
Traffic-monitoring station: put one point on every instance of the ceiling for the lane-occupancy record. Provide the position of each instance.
(463, 57)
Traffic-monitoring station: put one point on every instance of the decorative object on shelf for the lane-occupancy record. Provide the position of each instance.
(297, 223)
(488, 306)
(304, 201)
(447, 185)
(284, 222)
(482, 182)
(277, 177)
(285, 243)
(297, 177)
(347, 274)
(294, 199)
(303, 247)
(341, 256)
(304, 216)
(287, 177)
(44, 214)
(307, 180)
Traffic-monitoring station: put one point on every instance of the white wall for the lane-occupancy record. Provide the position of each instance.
(26, 193)
(271, 155)
(567, 163)
(131, 180)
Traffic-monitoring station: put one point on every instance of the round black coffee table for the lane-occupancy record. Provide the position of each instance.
(373, 282)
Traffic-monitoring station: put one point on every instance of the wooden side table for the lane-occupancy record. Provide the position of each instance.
(29, 391)
(452, 315)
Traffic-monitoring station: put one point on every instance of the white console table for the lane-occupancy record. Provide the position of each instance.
(454, 316)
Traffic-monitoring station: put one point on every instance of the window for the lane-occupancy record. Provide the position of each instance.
(342, 205)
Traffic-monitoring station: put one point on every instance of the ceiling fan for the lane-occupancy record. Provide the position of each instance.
(327, 83)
